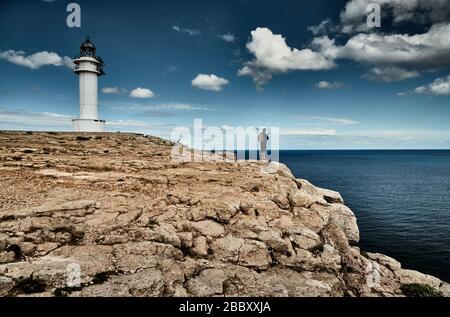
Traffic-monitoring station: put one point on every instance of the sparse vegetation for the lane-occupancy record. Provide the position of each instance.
(82, 138)
(420, 290)
(364, 254)
(152, 223)
(30, 286)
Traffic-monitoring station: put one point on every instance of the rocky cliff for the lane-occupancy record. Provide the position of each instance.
(113, 215)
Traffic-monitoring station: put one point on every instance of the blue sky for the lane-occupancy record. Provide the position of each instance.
(313, 69)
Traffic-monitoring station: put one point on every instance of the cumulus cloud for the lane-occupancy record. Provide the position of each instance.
(36, 60)
(426, 50)
(390, 74)
(272, 56)
(440, 87)
(113, 90)
(209, 82)
(142, 93)
(353, 17)
(324, 27)
(228, 37)
(392, 57)
(396, 56)
(327, 85)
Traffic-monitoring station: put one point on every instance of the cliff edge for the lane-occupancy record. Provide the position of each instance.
(114, 215)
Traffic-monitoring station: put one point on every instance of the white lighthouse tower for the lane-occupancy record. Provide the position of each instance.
(88, 67)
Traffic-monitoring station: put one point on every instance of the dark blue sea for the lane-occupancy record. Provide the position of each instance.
(401, 199)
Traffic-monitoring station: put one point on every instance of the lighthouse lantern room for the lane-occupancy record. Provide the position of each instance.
(88, 67)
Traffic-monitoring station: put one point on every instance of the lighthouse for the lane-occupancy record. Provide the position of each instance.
(88, 67)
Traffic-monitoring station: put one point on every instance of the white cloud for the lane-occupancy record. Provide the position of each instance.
(24, 120)
(172, 69)
(390, 74)
(113, 90)
(272, 55)
(327, 85)
(209, 82)
(392, 57)
(36, 60)
(190, 32)
(142, 93)
(353, 17)
(133, 126)
(340, 121)
(375, 139)
(228, 37)
(396, 56)
(49, 121)
(425, 50)
(421, 90)
(161, 107)
(68, 62)
(323, 27)
(440, 87)
(316, 132)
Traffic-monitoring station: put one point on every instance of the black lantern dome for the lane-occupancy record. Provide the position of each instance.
(87, 48)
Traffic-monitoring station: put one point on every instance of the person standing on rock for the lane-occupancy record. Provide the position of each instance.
(263, 138)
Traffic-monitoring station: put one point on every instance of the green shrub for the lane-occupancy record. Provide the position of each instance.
(419, 290)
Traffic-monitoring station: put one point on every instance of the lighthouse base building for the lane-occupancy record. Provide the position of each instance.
(88, 67)
(88, 125)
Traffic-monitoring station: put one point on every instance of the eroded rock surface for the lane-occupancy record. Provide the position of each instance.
(114, 215)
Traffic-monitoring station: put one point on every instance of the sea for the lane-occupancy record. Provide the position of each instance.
(401, 200)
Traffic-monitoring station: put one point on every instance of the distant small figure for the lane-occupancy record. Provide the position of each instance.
(263, 138)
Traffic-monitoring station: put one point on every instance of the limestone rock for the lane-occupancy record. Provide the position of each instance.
(200, 246)
(288, 283)
(313, 218)
(274, 240)
(414, 277)
(207, 228)
(6, 285)
(3, 242)
(241, 251)
(389, 262)
(301, 198)
(208, 283)
(166, 233)
(342, 216)
(445, 289)
(221, 208)
(7, 257)
(132, 220)
(186, 239)
(305, 239)
(331, 196)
